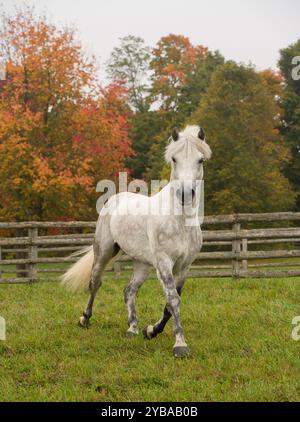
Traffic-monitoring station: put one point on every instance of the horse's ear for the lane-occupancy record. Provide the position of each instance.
(175, 134)
(201, 134)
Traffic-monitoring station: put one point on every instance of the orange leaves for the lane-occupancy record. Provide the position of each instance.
(102, 131)
(41, 174)
(59, 131)
(172, 72)
(271, 74)
(174, 59)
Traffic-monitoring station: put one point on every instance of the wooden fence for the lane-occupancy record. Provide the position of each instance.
(239, 245)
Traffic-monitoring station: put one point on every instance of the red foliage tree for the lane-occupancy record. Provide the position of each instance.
(60, 132)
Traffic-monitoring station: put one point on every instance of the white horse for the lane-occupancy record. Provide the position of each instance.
(161, 239)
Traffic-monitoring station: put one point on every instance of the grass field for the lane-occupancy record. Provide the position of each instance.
(239, 334)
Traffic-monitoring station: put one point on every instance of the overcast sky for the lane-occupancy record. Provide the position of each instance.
(243, 30)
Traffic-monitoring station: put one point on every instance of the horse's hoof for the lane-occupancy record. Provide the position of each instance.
(148, 332)
(180, 351)
(131, 333)
(83, 322)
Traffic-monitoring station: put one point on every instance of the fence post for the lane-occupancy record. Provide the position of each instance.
(236, 248)
(117, 269)
(245, 250)
(32, 253)
(22, 269)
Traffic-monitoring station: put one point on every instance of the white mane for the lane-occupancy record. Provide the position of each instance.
(189, 134)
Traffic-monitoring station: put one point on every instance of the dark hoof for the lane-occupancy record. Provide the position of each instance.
(83, 322)
(180, 351)
(147, 332)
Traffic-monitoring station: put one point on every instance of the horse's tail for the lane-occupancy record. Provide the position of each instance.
(78, 276)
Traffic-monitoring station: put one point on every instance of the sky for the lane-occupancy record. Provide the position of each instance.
(248, 31)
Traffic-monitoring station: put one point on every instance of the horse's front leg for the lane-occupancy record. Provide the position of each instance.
(180, 348)
(172, 293)
(152, 331)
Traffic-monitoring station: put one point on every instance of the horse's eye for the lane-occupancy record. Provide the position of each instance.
(174, 160)
(201, 161)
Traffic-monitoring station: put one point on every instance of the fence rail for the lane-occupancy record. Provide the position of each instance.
(32, 251)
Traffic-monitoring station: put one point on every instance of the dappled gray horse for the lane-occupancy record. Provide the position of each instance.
(154, 231)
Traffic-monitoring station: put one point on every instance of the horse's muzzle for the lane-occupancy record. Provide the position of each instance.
(185, 195)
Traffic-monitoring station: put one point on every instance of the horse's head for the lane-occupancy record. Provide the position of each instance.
(186, 153)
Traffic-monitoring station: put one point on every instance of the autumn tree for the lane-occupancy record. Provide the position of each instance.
(181, 75)
(174, 58)
(59, 131)
(239, 114)
(289, 64)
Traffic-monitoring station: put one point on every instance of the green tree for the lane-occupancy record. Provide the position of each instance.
(129, 63)
(144, 129)
(238, 114)
(291, 115)
(197, 82)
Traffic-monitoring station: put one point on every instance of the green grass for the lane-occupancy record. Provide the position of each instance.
(239, 334)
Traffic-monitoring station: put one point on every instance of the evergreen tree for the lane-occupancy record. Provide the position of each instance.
(289, 58)
(145, 128)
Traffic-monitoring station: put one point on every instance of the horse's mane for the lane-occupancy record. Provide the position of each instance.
(189, 134)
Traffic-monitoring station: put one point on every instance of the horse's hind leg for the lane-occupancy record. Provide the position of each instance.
(102, 255)
(140, 273)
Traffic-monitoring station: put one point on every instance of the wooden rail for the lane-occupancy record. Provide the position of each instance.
(231, 249)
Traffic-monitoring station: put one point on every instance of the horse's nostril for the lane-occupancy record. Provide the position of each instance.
(185, 196)
(180, 195)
